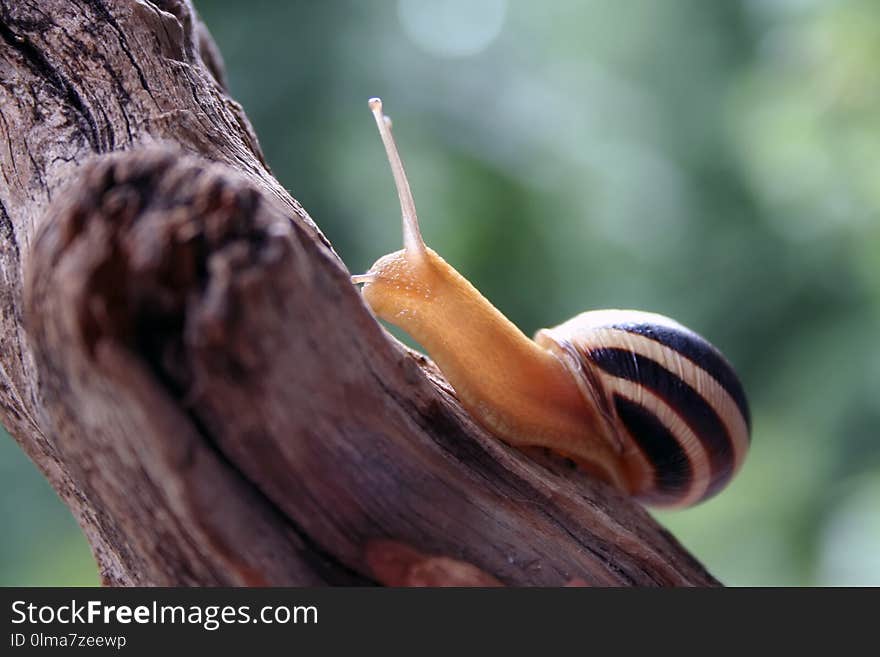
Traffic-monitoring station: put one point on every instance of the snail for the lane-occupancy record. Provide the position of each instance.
(632, 397)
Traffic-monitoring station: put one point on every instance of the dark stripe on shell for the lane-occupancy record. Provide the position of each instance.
(686, 402)
(695, 348)
(673, 473)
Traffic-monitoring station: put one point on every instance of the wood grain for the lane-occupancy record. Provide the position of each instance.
(185, 359)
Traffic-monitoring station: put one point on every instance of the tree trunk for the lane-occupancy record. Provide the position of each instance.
(185, 359)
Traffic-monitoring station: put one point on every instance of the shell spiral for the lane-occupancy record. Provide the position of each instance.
(673, 407)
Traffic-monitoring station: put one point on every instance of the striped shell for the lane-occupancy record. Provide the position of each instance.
(674, 407)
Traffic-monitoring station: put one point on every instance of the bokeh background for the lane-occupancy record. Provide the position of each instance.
(716, 162)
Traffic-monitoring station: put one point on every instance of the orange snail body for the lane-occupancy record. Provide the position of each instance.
(636, 398)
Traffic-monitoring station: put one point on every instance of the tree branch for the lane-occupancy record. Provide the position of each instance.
(184, 357)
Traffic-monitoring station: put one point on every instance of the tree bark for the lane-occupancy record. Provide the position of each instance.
(185, 359)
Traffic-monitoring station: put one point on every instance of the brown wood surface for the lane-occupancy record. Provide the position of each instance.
(184, 357)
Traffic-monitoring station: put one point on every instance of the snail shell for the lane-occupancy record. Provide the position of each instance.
(673, 406)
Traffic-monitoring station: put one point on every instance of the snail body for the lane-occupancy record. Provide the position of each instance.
(634, 398)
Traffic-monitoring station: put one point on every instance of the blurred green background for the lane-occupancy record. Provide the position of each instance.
(715, 162)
